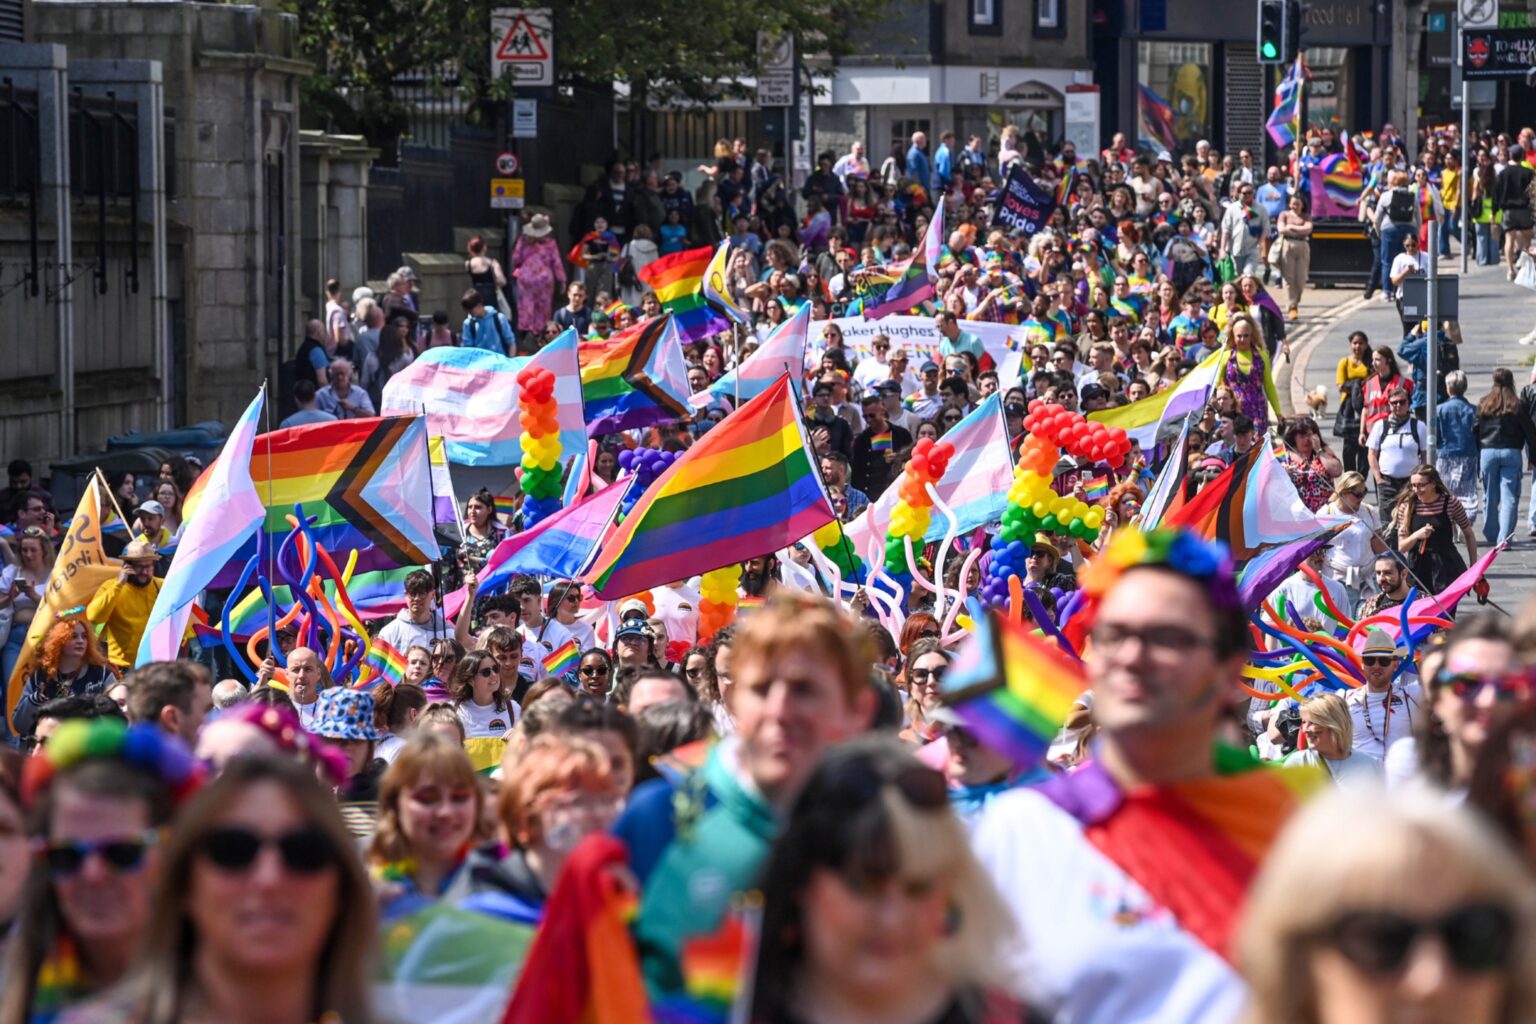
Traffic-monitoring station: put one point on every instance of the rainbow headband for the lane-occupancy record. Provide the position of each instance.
(1206, 562)
(144, 746)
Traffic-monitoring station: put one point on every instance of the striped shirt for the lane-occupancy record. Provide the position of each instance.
(1430, 509)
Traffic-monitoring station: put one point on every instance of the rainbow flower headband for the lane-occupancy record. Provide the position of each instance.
(143, 746)
(1208, 562)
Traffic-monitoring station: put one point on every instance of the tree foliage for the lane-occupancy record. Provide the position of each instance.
(696, 49)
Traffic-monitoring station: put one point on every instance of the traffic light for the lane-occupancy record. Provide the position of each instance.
(1272, 31)
(1293, 20)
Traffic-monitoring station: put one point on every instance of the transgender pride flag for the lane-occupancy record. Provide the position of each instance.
(470, 398)
(226, 517)
(783, 352)
(975, 486)
(560, 545)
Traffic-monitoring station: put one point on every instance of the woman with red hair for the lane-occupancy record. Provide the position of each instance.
(71, 663)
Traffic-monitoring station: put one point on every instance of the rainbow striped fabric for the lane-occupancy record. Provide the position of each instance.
(382, 662)
(505, 505)
(1013, 689)
(782, 352)
(635, 378)
(880, 442)
(562, 660)
(1096, 488)
(678, 281)
(915, 279)
(746, 488)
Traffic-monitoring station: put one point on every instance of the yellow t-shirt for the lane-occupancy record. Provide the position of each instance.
(122, 610)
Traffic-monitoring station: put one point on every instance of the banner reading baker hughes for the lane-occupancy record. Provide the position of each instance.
(1498, 52)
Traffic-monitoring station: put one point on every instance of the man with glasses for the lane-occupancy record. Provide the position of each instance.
(1395, 447)
(1382, 710)
(1122, 864)
(1242, 227)
(34, 509)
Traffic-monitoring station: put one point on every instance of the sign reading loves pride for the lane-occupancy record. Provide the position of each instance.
(1023, 204)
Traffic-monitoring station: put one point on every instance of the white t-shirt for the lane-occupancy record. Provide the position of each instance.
(1094, 947)
(586, 636)
(1355, 770)
(678, 609)
(487, 721)
(1401, 449)
(1418, 264)
(402, 634)
(1378, 723)
(389, 748)
(1350, 556)
(306, 713)
(1301, 594)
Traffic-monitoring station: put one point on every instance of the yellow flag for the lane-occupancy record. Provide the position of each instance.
(715, 288)
(79, 570)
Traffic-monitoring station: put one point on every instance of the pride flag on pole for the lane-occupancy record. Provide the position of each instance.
(915, 279)
(746, 488)
(1143, 420)
(678, 281)
(783, 352)
(716, 290)
(227, 516)
(635, 378)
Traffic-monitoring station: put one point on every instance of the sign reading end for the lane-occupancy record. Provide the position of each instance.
(523, 45)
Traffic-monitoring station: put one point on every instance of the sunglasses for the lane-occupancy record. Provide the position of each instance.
(593, 670)
(304, 851)
(487, 672)
(935, 674)
(1467, 685)
(1478, 937)
(123, 856)
(1379, 660)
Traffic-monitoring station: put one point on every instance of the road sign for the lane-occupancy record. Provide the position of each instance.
(1478, 13)
(525, 119)
(523, 45)
(506, 163)
(1498, 52)
(1415, 303)
(776, 69)
(507, 193)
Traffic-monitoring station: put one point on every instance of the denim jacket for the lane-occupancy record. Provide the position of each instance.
(1456, 427)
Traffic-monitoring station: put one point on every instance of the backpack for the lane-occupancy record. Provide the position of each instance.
(1351, 409)
(1400, 206)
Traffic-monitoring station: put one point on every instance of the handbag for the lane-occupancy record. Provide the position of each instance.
(1525, 271)
(1226, 270)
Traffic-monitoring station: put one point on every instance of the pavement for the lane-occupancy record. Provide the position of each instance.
(1494, 312)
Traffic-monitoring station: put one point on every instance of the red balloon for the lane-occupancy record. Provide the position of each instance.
(919, 463)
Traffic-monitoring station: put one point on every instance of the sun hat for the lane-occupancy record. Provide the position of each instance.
(538, 226)
(342, 714)
(1377, 642)
(140, 551)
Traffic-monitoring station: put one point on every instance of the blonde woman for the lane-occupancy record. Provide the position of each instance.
(1330, 733)
(1373, 910)
(870, 844)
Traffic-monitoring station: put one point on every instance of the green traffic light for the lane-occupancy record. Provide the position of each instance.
(1270, 50)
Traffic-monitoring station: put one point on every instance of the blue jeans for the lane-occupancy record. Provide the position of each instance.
(1487, 252)
(1501, 492)
(1448, 228)
(1391, 244)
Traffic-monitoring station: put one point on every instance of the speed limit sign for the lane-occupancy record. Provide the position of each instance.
(506, 164)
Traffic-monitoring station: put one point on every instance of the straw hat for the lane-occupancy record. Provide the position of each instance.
(538, 226)
(140, 551)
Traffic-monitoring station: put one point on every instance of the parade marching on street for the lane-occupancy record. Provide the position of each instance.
(735, 528)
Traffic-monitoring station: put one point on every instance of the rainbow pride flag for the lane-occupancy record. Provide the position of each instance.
(880, 442)
(366, 483)
(382, 662)
(746, 488)
(560, 661)
(916, 278)
(678, 281)
(506, 506)
(1013, 689)
(635, 378)
(1096, 488)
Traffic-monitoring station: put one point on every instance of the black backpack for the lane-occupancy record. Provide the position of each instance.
(1400, 206)
(1351, 408)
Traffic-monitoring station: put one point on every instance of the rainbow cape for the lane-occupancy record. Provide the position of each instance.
(1013, 690)
(746, 488)
(1193, 846)
(560, 661)
(678, 281)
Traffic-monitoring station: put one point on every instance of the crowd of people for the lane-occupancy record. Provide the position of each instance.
(180, 848)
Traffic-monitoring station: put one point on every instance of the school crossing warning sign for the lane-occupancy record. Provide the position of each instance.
(523, 45)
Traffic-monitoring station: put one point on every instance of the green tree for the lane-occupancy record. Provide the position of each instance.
(694, 49)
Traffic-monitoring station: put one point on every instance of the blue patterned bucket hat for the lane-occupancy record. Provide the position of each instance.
(345, 715)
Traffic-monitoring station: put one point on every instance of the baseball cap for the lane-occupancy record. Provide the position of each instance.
(154, 508)
(407, 273)
(930, 367)
(632, 607)
(891, 387)
(636, 627)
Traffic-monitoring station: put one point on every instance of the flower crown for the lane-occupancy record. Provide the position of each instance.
(281, 725)
(1207, 562)
(145, 746)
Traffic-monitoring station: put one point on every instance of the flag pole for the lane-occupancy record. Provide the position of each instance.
(842, 534)
(263, 540)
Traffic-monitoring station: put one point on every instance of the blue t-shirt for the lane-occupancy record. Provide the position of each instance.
(1272, 198)
(489, 331)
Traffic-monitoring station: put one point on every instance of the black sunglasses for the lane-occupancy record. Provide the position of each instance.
(487, 672)
(936, 674)
(1379, 660)
(593, 670)
(1477, 937)
(305, 851)
(121, 855)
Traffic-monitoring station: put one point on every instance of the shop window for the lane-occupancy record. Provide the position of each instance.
(901, 133)
(986, 18)
(1328, 90)
(1173, 95)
